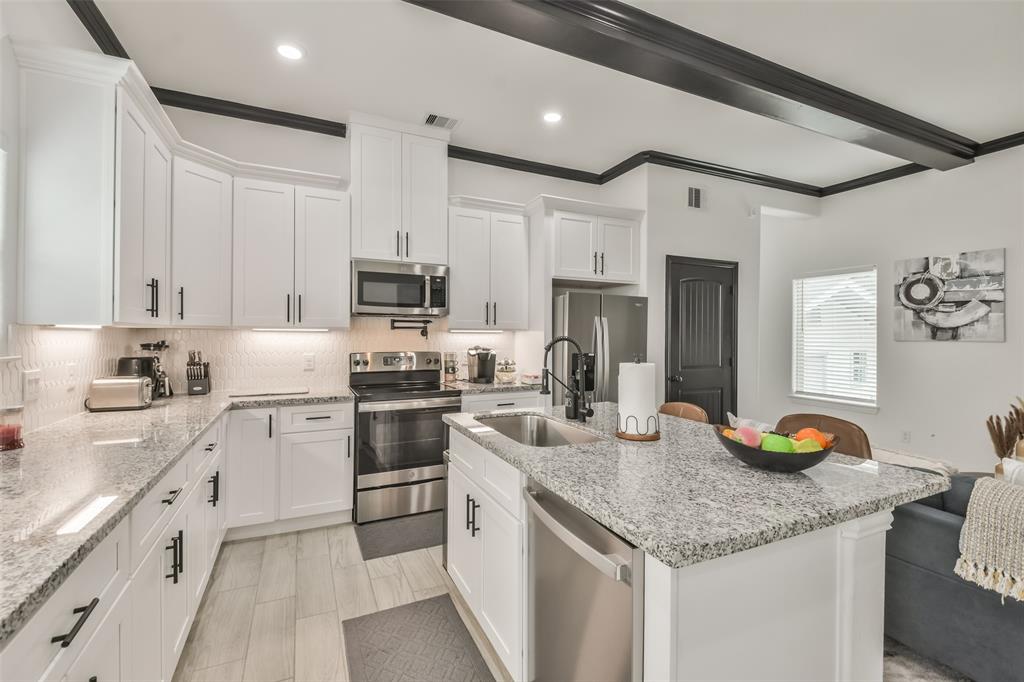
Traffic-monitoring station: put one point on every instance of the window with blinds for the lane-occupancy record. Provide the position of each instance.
(835, 340)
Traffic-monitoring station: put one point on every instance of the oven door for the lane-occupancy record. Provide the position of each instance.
(402, 441)
(394, 288)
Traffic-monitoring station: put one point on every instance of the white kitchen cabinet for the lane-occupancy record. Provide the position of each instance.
(316, 473)
(322, 279)
(376, 188)
(464, 558)
(214, 507)
(399, 193)
(485, 402)
(501, 583)
(105, 657)
(490, 269)
(264, 245)
(174, 588)
(197, 559)
(147, 589)
(596, 248)
(252, 467)
(425, 199)
(142, 219)
(201, 246)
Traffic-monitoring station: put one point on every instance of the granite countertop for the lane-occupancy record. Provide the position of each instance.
(468, 388)
(685, 499)
(67, 464)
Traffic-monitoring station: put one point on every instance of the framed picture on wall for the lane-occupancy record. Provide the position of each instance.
(960, 297)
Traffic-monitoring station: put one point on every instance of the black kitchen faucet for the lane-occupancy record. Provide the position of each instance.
(576, 395)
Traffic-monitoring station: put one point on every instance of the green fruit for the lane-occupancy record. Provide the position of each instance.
(775, 443)
(808, 445)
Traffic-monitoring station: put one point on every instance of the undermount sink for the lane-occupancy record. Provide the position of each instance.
(537, 431)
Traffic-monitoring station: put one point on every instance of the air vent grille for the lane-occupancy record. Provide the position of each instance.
(438, 121)
(695, 198)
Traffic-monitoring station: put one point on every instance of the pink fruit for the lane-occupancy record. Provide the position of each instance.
(749, 436)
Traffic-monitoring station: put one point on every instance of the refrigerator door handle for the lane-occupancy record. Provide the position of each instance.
(605, 343)
(599, 352)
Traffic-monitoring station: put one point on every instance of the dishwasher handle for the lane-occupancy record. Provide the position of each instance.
(611, 565)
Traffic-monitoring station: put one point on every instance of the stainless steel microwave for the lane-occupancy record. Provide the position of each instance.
(396, 289)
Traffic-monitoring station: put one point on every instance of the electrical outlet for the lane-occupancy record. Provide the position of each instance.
(308, 362)
(30, 383)
(905, 437)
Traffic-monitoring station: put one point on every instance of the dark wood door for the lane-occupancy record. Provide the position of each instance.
(700, 344)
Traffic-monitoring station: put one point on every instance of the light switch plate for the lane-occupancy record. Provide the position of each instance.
(30, 383)
(308, 362)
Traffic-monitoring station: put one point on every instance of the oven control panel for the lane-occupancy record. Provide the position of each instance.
(394, 361)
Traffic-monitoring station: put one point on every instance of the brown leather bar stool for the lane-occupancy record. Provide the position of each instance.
(852, 439)
(686, 411)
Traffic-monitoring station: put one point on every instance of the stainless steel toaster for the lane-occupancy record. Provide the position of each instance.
(119, 393)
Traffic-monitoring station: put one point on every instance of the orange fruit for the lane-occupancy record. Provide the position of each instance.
(815, 434)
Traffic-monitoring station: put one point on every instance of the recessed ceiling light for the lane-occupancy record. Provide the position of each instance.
(289, 52)
(552, 117)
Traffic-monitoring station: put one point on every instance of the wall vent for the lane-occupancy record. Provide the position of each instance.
(695, 199)
(438, 121)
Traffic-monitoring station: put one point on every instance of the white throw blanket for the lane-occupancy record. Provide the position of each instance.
(992, 539)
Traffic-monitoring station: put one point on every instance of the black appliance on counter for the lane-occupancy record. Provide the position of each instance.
(400, 438)
(148, 366)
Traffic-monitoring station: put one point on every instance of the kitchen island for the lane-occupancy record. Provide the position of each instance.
(747, 574)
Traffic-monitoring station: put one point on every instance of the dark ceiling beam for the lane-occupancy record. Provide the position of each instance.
(96, 24)
(248, 112)
(624, 38)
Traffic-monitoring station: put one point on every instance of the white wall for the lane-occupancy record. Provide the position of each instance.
(728, 229)
(940, 392)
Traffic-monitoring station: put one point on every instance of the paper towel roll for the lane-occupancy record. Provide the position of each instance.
(638, 412)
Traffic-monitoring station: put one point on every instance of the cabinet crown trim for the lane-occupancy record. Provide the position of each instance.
(495, 205)
(547, 203)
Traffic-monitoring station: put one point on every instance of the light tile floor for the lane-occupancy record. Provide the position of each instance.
(274, 609)
(275, 605)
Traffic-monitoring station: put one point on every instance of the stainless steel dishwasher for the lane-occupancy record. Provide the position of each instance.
(586, 595)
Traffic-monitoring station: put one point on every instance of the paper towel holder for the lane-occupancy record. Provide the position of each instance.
(647, 435)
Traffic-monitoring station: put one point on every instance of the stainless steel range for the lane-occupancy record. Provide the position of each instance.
(400, 438)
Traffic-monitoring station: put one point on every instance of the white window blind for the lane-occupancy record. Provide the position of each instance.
(835, 348)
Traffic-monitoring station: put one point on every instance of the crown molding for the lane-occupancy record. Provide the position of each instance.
(546, 203)
(374, 121)
(66, 61)
(1001, 143)
(96, 24)
(513, 163)
(484, 204)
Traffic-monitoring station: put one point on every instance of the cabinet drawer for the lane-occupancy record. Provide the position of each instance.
(500, 401)
(493, 475)
(31, 655)
(315, 418)
(205, 448)
(151, 515)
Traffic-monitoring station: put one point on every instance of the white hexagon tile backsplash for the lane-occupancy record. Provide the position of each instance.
(70, 359)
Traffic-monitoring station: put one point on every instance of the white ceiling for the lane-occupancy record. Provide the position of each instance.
(393, 59)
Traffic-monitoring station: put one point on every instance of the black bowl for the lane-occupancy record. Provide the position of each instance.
(782, 462)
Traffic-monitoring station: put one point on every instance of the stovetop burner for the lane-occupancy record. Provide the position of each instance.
(398, 375)
(400, 391)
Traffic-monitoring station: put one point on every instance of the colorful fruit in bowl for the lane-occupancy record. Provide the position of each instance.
(772, 442)
(748, 436)
(810, 432)
(808, 445)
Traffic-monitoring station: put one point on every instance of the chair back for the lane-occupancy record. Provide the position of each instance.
(686, 411)
(852, 439)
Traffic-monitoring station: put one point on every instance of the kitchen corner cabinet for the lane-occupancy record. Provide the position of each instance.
(252, 464)
(399, 191)
(142, 219)
(200, 246)
(290, 256)
(490, 270)
(596, 248)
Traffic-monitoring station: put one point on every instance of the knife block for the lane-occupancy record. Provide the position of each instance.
(199, 386)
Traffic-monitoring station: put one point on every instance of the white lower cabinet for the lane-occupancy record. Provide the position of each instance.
(147, 589)
(196, 558)
(104, 658)
(486, 402)
(316, 473)
(252, 461)
(174, 599)
(485, 558)
(215, 510)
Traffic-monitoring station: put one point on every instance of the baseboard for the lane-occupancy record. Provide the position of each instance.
(288, 525)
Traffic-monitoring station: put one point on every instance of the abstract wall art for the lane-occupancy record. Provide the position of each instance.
(960, 297)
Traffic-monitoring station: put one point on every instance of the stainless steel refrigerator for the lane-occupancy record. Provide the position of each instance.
(612, 327)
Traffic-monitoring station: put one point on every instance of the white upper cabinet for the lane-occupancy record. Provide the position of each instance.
(322, 280)
(201, 246)
(142, 219)
(424, 199)
(399, 193)
(489, 269)
(376, 189)
(596, 248)
(264, 244)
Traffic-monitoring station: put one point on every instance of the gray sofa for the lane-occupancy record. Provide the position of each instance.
(931, 609)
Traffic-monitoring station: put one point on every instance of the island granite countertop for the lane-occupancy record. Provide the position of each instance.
(67, 464)
(469, 388)
(684, 499)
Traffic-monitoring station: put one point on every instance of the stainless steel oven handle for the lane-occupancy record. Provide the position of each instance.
(611, 565)
(408, 405)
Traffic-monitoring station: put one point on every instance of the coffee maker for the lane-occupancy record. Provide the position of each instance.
(481, 365)
(148, 366)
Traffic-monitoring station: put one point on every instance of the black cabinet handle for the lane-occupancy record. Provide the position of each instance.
(287, 307)
(152, 309)
(398, 243)
(487, 313)
(181, 548)
(348, 446)
(300, 308)
(270, 426)
(475, 529)
(595, 262)
(602, 262)
(504, 404)
(85, 611)
(313, 419)
(406, 244)
(494, 317)
(215, 495)
(210, 447)
(173, 575)
(93, 679)
(469, 501)
(173, 496)
(181, 303)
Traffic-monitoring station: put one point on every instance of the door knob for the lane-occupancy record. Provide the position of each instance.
(675, 378)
